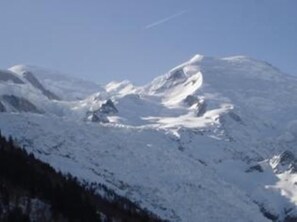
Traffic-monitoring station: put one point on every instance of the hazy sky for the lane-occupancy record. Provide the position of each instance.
(107, 40)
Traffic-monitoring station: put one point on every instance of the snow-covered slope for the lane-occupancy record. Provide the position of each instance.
(214, 139)
(66, 87)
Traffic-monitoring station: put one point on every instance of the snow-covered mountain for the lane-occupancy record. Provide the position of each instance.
(214, 139)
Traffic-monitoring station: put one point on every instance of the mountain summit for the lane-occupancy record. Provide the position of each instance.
(214, 139)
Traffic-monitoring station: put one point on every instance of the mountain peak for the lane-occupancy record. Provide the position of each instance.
(197, 58)
(20, 68)
(203, 136)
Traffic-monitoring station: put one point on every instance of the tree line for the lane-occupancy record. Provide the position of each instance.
(25, 179)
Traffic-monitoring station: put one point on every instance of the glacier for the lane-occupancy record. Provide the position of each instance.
(213, 139)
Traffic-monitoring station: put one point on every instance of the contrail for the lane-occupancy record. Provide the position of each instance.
(165, 19)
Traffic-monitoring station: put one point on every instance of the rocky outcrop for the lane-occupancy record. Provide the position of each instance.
(201, 107)
(97, 117)
(34, 82)
(286, 161)
(100, 115)
(198, 103)
(176, 75)
(190, 100)
(286, 158)
(108, 108)
(20, 104)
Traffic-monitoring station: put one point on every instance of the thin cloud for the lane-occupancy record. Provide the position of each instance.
(164, 20)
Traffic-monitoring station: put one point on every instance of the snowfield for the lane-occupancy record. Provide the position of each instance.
(214, 139)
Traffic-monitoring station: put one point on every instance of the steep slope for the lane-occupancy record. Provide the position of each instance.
(207, 141)
(34, 82)
(7, 76)
(31, 190)
(18, 95)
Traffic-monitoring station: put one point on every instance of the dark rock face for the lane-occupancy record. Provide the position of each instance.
(286, 158)
(2, 107)
(8, 76)
(20, 104)
(201, 108)
(200, 104)
(100, 115)
(97, 117)
(191, 100)
(176, 75)
(289, 159)
(286, 161)
(34, 81)
(108, 108)
(94, 118)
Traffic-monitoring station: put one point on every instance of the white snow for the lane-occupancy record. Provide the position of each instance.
(158, 151)
(66, 87)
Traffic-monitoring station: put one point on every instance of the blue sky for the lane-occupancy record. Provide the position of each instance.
(106, 40)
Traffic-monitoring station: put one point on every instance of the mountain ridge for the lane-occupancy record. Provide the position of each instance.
(204, 139)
